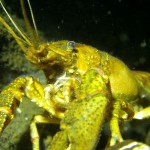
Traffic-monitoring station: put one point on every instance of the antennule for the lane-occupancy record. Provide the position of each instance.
(33, 37)
(34, 23)
(17, 28)
(10, 30)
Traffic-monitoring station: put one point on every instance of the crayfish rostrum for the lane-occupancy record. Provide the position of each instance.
(85, 87)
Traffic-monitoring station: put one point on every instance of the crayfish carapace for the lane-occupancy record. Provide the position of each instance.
(83, 83)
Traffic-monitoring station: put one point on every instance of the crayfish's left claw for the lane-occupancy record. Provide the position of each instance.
(129, 145)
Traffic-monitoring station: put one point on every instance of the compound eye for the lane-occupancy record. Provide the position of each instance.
(71, 45)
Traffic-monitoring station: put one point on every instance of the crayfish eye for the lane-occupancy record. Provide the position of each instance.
(71, 45)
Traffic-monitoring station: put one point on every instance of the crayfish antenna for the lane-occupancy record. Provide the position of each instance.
(23, 40)
(33, 35)
(18, 39)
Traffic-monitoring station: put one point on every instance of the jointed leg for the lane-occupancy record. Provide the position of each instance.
(114, 124)
(39, 119)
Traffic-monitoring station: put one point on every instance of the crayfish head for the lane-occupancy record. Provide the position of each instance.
(51, 54)
(53, 57)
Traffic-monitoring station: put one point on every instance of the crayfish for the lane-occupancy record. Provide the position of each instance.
(83, 83)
